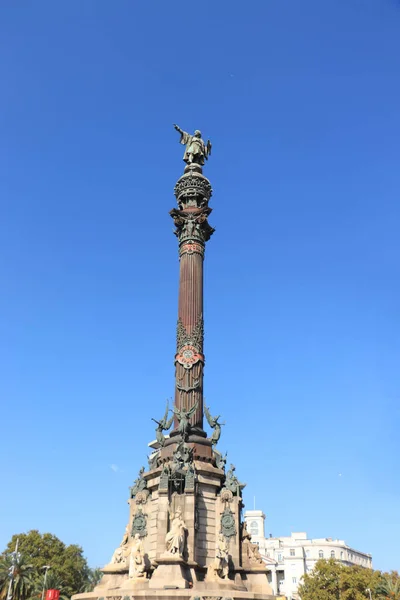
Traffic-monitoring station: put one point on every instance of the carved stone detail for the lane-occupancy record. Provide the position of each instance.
(226, 495)
(195, 338)
(141, 497)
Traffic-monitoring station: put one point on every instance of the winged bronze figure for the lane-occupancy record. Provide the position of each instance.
(183, 417)
(214, 424)
(163, 425)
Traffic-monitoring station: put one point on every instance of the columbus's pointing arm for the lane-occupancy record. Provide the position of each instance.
(178, 129)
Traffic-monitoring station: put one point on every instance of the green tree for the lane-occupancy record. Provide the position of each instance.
(331, 580)
(53, 582)
(23, 581)
(323, 583)
(389, 586)
(93, 578)
(355, 581)
(67, 562)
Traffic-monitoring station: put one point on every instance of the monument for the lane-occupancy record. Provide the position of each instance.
(185, 538)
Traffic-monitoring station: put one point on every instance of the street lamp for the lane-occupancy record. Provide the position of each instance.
(46, 567)
(15, 556)
(369, 591)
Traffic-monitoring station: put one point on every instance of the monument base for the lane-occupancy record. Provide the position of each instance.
(177, 594)
(172, 573)
(257, 582)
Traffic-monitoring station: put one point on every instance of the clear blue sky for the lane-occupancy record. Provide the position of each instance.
(301, 101)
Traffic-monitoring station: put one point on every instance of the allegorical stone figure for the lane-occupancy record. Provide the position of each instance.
(120, 554)
(137, 563)
(175, 540)
(220, 566)
(196, 150)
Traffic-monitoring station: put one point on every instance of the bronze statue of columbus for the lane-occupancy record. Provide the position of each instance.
(196, 150)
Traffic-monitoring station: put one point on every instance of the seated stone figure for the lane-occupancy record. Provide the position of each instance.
(121, 552)
(137, 565)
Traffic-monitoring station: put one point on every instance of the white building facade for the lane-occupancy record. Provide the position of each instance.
(289, 558)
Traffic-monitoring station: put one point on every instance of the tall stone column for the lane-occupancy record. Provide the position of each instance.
(193, 192)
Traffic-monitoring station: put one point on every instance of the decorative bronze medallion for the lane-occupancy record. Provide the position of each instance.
(188, 356)
(139, 524)
(228, 528)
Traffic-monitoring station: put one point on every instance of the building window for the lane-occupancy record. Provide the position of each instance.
(307, 553)
(254, 528)
(279, 557)
(292, 552)
(294, 579)
(321, 554)
(341, 554)
(333, 555)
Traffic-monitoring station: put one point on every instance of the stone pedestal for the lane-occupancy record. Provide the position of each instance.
(209, 512)
(257, 582)
(171, 573)
(133, 585)
(180, 594)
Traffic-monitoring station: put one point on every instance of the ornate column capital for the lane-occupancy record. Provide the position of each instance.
(192, 225)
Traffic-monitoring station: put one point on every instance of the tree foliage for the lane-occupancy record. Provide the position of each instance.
(389, 586)
(331, 580)
(53, 582)
(93, 579)
(68, 565)
(24, 575)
